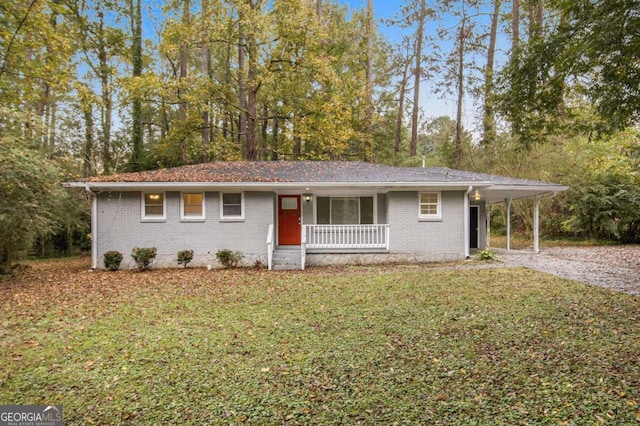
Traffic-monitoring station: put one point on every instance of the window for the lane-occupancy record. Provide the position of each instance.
(153, 206)
(192, 206)
(344, 210)
(429, 205)
(232, 206)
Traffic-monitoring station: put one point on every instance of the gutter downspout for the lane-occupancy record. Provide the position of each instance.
(94, 227)
(466, 222)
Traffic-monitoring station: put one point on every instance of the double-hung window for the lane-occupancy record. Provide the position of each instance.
(429, 205)
(232, 206)
(192, 206)
(153, 206)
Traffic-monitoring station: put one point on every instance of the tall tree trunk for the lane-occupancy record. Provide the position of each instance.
(540, 14)
(418, 75)
(297, 147)
(242, 94)
(319, 10)
(276, 130)
(107, 103)
(515, 26)
(206, 74)
(400, 117)
(488, 119)
(227, 114)
(51, 127)
(367, 151)
(165, 120)
(87, 149)
(184, 62)
(264, 134)
(136, 106)
(45, 102)
(253, 85)
(536, 15)
(457, 153)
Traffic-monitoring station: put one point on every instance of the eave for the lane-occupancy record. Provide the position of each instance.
(271, 186)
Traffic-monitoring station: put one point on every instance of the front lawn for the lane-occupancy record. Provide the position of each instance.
(361, 345)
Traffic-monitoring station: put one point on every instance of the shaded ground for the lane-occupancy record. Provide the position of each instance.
(386, 344)
(614, 267)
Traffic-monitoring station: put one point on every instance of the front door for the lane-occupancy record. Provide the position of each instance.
(289, 220)
(473, 227)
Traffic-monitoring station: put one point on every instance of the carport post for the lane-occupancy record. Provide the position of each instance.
(536, 225)
(488, 236)
(508, 203)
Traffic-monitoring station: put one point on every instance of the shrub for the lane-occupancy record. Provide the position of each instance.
(143, 257)
(184, 257)
(486, 255)
(112, 260)
(228, 258)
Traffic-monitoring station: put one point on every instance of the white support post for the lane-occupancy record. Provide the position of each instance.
(94, 227)
(508, 202)
(467, 213)
(488, 236)
(536, 225)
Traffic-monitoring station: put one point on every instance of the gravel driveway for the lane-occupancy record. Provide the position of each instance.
(614, 267)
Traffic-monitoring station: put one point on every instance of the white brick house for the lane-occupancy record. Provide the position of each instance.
(288, 214)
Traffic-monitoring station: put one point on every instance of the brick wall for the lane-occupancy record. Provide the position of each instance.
(120, 228)
(441, 239)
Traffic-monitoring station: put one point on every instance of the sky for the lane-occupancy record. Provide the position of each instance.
(432, 104)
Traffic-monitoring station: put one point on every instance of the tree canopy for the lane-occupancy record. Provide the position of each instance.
(101, 86)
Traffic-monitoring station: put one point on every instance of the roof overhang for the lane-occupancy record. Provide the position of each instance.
(500, 193)
(273, 186)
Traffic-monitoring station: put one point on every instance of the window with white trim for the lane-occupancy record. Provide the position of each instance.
(153, 206)
(429, 205)
(192, 206)
(344, 210)
(232, 205)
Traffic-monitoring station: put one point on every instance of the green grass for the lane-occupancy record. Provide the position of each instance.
(357, 345)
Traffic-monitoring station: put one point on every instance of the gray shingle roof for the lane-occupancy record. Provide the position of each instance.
(310, 171)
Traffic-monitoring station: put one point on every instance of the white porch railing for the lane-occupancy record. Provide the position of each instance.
(346, 236)
(303, 249)
(270, 247)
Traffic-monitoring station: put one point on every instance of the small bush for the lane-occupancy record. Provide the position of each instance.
(184, 257)
(228, 258)
(486, 255)
(143, 257)
(112, 260)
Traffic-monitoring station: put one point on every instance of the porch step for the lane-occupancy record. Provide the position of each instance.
(286, 259)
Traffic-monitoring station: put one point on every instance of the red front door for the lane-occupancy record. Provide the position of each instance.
(289, 220)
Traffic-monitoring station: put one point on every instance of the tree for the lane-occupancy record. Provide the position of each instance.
(417, 73)
(404, 58)
(368, 133)
(488, 115)
(30, 191)
(136, 104)
(588, 54)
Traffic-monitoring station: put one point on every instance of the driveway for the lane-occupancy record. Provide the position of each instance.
(614, 267)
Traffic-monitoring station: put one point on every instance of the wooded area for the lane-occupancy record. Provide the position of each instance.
(82, 92)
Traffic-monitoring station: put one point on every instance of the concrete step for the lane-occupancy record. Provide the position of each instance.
(278, 267)
(286, 259)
